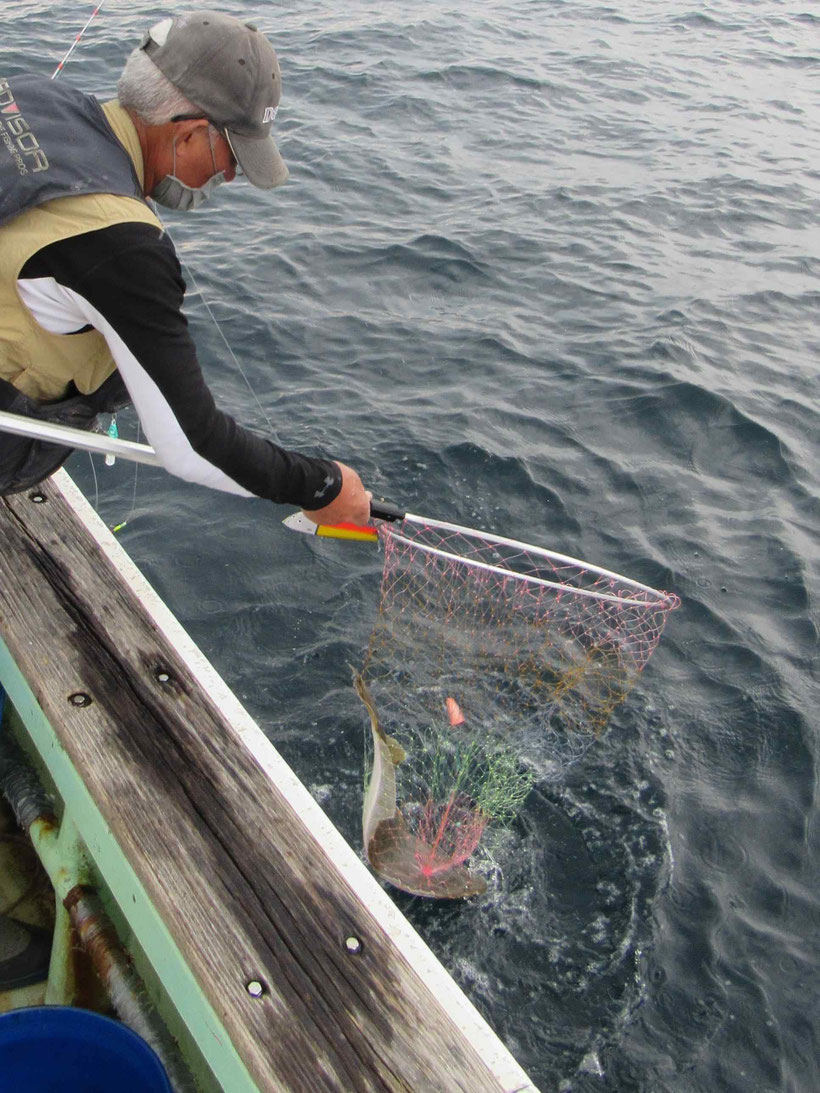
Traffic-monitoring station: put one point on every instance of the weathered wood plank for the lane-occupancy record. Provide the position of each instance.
(247, 891)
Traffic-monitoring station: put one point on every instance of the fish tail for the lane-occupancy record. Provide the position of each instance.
(397, 752)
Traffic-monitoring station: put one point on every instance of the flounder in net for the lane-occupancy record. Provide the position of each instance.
(393, 850)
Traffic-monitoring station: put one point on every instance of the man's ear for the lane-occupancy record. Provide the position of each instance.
(186, 130)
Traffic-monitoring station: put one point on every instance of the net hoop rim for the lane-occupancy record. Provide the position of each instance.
(666, 600)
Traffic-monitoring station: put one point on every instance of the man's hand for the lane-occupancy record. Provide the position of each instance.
(351, 506)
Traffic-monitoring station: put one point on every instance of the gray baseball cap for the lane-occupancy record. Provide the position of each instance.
(229, 70)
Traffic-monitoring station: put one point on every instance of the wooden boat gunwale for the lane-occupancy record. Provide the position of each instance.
(412, 968)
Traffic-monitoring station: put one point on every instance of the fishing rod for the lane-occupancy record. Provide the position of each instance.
(76, 41)
(67, 437)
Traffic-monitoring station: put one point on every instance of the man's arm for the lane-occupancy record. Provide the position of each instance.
(126, 282)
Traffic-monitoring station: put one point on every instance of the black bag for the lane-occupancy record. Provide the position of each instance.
(24, 462)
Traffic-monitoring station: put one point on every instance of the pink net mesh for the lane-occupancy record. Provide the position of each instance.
(491, 662)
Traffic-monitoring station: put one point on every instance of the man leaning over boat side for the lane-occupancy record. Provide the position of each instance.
(91, 289)
(90, 285)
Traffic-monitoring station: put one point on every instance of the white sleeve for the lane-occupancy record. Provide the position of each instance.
(62, 310)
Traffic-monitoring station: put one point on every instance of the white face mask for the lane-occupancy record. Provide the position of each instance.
(173, 193)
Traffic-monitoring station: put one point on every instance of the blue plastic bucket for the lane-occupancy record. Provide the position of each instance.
(54, 1049)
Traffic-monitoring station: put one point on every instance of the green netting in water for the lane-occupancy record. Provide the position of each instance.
(489, 659)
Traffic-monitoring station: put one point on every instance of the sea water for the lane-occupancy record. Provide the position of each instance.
(548, 268)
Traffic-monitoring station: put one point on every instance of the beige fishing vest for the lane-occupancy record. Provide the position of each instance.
(38, 363)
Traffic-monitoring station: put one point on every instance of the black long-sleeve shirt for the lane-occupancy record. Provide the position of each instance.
(126, 282)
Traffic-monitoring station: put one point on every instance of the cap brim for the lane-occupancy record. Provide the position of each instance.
(259, 159)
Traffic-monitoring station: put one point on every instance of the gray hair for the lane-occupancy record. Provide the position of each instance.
(143, 89)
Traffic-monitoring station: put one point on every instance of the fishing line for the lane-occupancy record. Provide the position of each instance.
(216, 323)
(121, 525)
(96, 487)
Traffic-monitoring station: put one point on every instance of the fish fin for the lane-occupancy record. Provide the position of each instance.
(395, 852)
(397, 752)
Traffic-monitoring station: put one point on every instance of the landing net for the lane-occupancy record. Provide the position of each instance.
(492, 662)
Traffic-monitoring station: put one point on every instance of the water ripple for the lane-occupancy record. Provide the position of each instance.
(551, 269)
